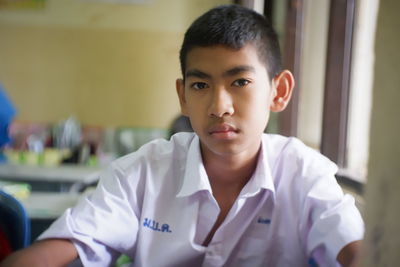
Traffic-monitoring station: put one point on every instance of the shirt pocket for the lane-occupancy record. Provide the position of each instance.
(257, 252)
(252, 246)
(252, 252)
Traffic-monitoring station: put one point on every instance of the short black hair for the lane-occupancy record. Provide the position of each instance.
(234, 26)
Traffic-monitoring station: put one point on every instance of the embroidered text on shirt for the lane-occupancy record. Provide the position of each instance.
(263, 221)
(153, 225)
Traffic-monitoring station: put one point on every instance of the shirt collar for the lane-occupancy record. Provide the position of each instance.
(195, 178)
(261, 178)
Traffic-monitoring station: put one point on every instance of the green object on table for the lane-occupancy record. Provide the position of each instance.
(122, 260)
(92, 161)
(16, 189)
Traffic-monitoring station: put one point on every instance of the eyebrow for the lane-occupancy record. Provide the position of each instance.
(197, 74)
(239, 69)
(231, 72)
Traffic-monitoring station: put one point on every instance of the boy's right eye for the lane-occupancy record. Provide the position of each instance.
(198, 85)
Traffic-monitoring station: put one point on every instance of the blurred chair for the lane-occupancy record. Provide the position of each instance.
(180, 124)
(14, 221)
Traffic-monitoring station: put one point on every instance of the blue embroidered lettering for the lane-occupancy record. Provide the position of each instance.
(165, 228)
(263, 221)
(146, 222)
(154, 225)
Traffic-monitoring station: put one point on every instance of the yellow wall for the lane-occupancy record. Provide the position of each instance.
(107, 64)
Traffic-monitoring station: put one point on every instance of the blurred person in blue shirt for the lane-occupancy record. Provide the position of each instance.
(7, 113)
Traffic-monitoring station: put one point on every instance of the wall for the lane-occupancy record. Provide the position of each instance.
(107, 64)
(382, 196)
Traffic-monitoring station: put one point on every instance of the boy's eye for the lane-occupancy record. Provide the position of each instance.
(198, 85)
(241, 82)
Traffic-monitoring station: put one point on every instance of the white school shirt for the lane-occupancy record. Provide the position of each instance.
(156, 206)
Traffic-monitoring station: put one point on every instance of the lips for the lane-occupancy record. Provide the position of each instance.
(223, 131)
(224, 127)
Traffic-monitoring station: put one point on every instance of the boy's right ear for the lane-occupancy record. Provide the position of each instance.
(180, 90)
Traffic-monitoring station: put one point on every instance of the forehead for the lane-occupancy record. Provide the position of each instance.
(220, 58)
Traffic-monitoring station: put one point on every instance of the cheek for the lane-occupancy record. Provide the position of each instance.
(253, 104)
(195, 112)
(194, 107)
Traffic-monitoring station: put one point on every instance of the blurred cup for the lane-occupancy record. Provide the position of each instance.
(52, 157)
(31, 158)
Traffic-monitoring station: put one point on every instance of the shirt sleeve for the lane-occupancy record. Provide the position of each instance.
(102, 225)
(331, 220)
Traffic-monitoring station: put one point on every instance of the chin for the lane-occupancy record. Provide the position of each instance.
(224, 148)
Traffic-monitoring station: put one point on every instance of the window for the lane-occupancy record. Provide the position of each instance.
(329, 47)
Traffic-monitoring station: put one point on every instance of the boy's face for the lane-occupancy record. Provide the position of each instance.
(227, 95)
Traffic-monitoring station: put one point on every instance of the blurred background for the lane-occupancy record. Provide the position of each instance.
(107, 65)
(91, 80)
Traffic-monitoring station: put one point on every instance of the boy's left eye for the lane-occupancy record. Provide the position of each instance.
(241, 82)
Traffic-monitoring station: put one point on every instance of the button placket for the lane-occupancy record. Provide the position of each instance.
(208, 214)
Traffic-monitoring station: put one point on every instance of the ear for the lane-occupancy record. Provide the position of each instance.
(282, 84)
(180, 90)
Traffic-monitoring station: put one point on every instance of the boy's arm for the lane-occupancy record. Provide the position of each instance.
(349, 256)
(48, 252)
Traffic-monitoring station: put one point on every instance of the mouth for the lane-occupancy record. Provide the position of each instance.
(224, 131)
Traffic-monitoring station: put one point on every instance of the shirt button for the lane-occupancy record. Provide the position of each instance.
(214, 250)
(217, 248)
(211, 253)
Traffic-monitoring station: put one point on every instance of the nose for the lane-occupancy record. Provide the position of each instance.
(221, 103)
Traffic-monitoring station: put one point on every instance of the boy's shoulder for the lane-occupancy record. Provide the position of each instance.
(289, 146)
(291, 152)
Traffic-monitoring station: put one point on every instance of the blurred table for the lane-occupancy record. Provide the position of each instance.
(50, 179)
(41, 205)
(53, 190)
(44, 208)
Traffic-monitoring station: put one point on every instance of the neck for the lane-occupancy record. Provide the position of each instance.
(232, 170)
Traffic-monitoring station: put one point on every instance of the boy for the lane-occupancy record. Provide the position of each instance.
(228, 195)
